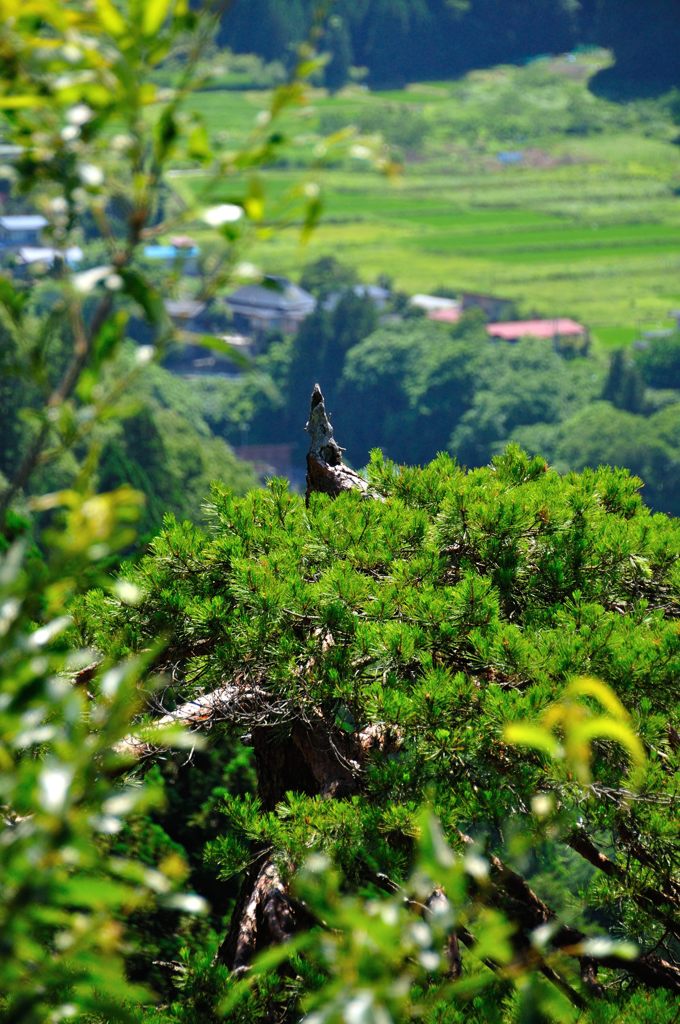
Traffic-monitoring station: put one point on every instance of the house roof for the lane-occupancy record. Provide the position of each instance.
(47, 254)
(23, 222)
(8, 151)
(372, 291)
(555, 327)
(275, 295)
(432, 302)
(184, 309)
(169, 252)
(472, 298)
(183, 242)
(445, 316)
(379, 296)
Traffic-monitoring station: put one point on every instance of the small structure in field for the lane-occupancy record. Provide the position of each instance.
(375, 293)
(449, 315)
(190, 315)
(180, 253)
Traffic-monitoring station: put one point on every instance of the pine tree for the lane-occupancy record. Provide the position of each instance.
(624, 387)
(371, 644)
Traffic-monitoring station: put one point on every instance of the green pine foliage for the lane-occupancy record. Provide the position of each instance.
(460, 603)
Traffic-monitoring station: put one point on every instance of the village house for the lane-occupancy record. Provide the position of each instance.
(375, 293)
(21, 229)
(195, 320)
(35, 257)
(493, 306)
(432, 304)
(180, 254)
(555, 329)
(446, 315)
(564, 333)
(273, 304)
(190, 315)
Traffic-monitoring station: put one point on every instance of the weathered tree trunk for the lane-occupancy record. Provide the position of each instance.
(326, 473)
(310, 757)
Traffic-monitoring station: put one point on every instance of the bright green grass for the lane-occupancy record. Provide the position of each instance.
(616, 337)
(588, 226)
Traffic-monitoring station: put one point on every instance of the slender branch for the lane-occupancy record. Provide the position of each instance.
(631, 843)
(82, 348)
(514, 895)
(652, 901)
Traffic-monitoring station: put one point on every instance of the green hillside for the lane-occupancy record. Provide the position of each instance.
(515, 180)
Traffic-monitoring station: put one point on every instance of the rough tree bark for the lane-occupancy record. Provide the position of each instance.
(326, 472)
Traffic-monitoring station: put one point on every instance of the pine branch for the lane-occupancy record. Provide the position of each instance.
(652, 901)
(514, 896)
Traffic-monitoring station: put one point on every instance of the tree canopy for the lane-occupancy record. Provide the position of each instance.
(403, 40)
(375, 652)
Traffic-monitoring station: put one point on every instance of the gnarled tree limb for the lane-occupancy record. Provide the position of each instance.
(237, 701)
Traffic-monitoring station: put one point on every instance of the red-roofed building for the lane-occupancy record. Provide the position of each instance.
(445, 316)
(553, 329)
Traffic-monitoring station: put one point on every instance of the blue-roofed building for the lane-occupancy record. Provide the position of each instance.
(184, 257)
(168, 252)
(510, 156)
(20, 229)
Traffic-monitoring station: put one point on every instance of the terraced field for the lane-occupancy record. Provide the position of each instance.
(585, 222)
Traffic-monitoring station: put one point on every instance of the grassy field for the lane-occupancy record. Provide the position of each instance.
(585, 223)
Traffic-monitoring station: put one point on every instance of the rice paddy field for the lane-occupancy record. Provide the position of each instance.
(516, 181)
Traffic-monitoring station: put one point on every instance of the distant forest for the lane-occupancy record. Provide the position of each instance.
(408, 40)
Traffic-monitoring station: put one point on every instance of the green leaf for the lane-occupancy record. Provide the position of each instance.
(143, 292)
(110, 18)
(198, 143)
(12, 299)
(167, 132)
(109, 338)
(154, 14)
(216, 344)
(21, 102)
(532, 736)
